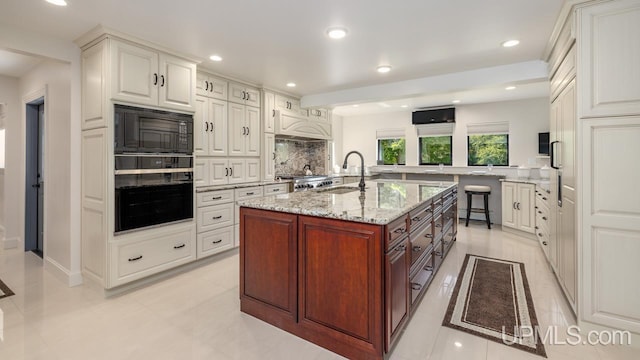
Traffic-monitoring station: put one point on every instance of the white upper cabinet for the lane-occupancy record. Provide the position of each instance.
(147, 77)
(242, 94)
(210, 127)
(610, 55)
(290, 106)
(244, 130)
(319, 114)
(211, 86)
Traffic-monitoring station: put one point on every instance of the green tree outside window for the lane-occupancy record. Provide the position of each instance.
(488, 149)
(435, 150)
(391, 151)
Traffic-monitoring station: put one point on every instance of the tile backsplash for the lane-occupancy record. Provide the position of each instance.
(292, 155)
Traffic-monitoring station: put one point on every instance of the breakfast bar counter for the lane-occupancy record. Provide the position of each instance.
(342, 268)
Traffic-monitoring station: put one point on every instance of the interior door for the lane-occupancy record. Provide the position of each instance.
(34, 176)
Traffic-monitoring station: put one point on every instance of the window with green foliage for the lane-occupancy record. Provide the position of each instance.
(391, 151)
(435, 150)
(488, 149)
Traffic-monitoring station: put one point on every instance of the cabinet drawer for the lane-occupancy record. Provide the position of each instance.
(542, 219)
(421, 278)
(421, 241)
(394, 231)
(215, 241)
(248, 192)
(437, 206)
(437, 226)
(151, 254)
(419, 216)
(215, 216)
(276, 189)
(215, 197)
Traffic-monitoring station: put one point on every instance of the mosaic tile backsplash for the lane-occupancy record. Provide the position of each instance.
(293, 155)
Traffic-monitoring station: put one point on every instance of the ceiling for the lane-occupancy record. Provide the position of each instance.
(15, 64)
(271, 43)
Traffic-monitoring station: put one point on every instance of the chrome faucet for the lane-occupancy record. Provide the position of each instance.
(344, 166)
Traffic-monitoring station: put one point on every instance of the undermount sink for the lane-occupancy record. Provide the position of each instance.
(340, 190)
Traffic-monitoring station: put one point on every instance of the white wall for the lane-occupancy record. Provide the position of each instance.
(8, 95)
(65, 259)
(526, 119)
(338, 155)
(56, 77)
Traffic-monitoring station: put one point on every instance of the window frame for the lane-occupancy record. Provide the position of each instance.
(469, 149)
(432, 136)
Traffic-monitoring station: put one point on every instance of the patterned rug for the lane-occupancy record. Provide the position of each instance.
(4, 290)
(492, 300)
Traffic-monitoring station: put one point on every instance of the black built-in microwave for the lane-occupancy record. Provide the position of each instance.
(139, 130)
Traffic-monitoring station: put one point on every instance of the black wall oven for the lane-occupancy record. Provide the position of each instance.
(153, 159)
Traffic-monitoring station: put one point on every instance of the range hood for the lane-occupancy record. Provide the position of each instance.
(301, 127)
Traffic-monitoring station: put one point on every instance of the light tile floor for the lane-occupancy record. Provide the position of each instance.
(195, 315)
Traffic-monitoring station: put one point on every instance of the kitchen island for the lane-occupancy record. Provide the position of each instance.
(341, 268)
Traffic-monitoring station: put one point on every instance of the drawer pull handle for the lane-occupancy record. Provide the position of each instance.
(216, 198)
(544, 218)
(250, 193)
(438, 225)
(275, 190)
(428, 268)
(416, 286)
(430, 236)
(179, 246)
(438, 253)
(540, 234)
(537, 227)
(428, 210)
(544, 198)
(417, 248)
(216, 217)
(544, 243)
(400, 230)
(135, 258)
(217, 241)
(539, 212)
(401, 248)
(416, 218)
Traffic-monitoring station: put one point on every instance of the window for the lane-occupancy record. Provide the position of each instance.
(391, 151)
(485, 149)
(435, 150)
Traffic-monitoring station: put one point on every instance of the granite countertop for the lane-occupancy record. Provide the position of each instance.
(239, 186)
(384, 201)
(448, 171)
(543, 183)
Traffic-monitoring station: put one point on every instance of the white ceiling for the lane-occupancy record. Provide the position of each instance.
(15, 65)
(270, 43)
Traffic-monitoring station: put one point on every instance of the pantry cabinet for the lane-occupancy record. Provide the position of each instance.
(518, 201)
(210, 127)
(148, 77)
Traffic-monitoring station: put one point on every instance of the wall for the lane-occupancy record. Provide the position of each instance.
(8, 95)
(293, 155)
(526, 119)
(55, 76)
(65, 259)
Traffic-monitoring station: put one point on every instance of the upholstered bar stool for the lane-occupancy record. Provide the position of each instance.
(471, 190)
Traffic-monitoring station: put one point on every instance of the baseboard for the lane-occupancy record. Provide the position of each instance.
(10, 243)
(519, 233)
(62, 273)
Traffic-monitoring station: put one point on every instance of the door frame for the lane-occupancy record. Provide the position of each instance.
(26, 101)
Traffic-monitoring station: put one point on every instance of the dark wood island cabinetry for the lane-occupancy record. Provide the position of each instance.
(339, 271)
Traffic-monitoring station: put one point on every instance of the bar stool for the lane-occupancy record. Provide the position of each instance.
(471, 190)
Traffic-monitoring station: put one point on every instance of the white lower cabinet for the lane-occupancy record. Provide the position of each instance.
(518, 201)
(215, 216)
(221, 171)
(215, 221)
(215, 241)
(150, 252)
(269, 156)
(276, 189)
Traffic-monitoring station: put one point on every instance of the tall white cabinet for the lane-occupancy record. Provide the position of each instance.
(595, 116)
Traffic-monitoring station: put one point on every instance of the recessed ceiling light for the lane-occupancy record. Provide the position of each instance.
(57, 2)
(356, 105)
(337, 32)
(384, 69)
(291, 84)
(510, 43)
(455, 101)
(385, 105)
(510, 88)
(458, 344)
(215, 58)
(404, 106)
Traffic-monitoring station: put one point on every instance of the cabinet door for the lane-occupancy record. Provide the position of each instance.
(567, 125)
(609, 44)
(252, 97)
(201, 127)
(218, 118)
(218, 171)
(269, 112)
(269, 156)
(237, 129)
(202, 84)
(567, 242)
(509, 205)
(396, 290)
(252, 135)
(135, 76)
(252, 170)
(210, 86)
(201, 172)
(177, 83)
(288, 105)
(526, 198)
(237, 93)
(237, 170)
